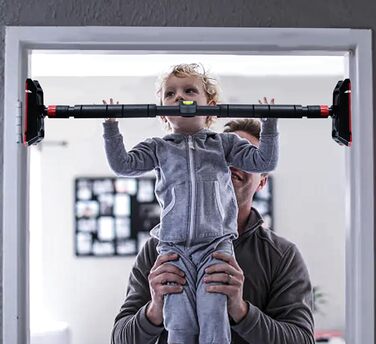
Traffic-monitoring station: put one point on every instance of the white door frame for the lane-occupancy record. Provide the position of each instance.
(360, 301)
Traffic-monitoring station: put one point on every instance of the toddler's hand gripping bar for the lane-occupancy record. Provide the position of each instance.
(36, 111)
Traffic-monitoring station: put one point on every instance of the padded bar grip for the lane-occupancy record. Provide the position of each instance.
(151, 110)
(104, 111)
(270, 111)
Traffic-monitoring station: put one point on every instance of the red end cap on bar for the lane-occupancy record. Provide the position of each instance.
(325, 112)
(51, 111)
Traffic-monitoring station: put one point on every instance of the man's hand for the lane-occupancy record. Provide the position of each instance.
(111, 103)
(231, 276)
(164, 279)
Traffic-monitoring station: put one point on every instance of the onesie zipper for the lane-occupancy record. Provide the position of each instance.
(193, 190)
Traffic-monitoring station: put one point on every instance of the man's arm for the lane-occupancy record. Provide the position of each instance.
(141, 317)
(287, 318)
(131, 324)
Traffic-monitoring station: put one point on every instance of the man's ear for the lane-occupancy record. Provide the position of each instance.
(263, 181)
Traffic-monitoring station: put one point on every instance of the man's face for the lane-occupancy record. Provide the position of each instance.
(246, 184)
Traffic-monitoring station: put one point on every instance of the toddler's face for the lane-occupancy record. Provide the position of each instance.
(188, 88)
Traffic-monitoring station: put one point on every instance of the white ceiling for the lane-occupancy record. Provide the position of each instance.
(78, 63)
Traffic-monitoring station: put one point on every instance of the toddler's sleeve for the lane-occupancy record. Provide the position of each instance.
(140, 159)
(247, 157)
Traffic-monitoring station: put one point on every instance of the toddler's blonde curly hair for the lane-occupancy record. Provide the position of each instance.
(184, 70)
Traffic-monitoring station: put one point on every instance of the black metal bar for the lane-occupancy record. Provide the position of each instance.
(340, 111)
(152, 110)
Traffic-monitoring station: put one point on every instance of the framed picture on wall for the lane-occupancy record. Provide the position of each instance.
(113, 216)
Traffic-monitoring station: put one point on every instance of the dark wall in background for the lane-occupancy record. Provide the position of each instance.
(359, 14)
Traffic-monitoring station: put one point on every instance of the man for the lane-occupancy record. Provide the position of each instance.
(267, 286)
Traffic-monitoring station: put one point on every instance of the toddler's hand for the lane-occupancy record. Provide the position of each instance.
(111, 103)
(265, 101)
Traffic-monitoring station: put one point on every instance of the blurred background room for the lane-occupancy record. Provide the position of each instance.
(86, 225)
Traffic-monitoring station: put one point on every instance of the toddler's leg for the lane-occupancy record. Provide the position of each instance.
(212, 313)
(179, 310)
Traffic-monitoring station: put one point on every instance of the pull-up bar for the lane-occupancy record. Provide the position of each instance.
(340, 111)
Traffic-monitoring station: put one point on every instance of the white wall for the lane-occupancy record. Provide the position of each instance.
(308, 198)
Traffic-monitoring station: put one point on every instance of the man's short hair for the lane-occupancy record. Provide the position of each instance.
(251, 126)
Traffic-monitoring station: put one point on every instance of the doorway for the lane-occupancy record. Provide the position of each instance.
(359, 248)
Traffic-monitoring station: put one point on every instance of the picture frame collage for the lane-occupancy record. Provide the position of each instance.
(113, 215)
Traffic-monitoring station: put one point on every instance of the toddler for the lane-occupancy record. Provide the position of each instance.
(196, 195)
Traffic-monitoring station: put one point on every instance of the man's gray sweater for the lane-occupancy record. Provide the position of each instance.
(276, 286)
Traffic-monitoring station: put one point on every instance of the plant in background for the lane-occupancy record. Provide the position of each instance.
(319, 299)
